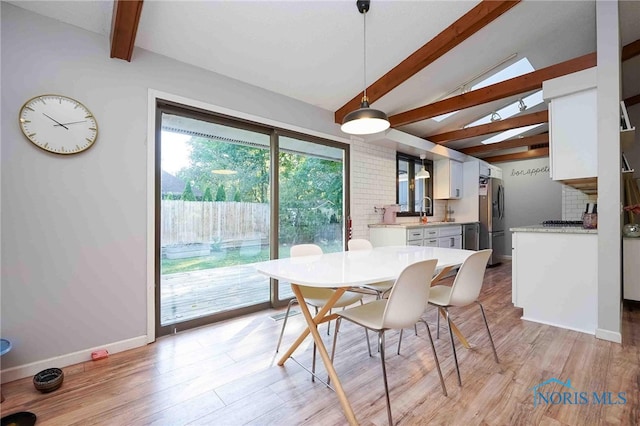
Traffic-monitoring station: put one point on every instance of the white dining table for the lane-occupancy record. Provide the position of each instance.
(344, 270)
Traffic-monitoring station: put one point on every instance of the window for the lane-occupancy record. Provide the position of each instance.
(410, 193)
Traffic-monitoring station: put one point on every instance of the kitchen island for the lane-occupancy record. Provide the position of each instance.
(555, 275)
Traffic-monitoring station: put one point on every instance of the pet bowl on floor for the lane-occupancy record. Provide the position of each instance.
(23, 418)
(48, 380)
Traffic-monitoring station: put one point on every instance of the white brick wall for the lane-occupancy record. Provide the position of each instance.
(373, 183)
(574, 203)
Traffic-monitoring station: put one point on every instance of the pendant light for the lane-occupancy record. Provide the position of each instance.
(423, 173)
(365, 120)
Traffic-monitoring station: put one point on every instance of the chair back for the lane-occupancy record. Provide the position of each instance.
(359, 244)
(409, 295)
(305, 250)
(310, 292)
(468, 282)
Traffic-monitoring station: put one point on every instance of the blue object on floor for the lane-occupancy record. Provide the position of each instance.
(5, 346)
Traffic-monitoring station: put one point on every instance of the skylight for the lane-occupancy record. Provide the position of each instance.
(508, 134)
(523, 66)
(511, 109)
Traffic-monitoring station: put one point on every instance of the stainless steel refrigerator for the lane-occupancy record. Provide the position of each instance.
(492, 218)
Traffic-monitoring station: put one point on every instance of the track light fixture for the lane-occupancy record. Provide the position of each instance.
(521, 105)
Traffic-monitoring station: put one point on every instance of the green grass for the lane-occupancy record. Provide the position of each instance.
(230, 257)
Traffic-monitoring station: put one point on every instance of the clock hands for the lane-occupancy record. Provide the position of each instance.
(55, 121)
(66, 124)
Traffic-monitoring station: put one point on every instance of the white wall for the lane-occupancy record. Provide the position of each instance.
(74, 227)
(609, 186)
(530, 195)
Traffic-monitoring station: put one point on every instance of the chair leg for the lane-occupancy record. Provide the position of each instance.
(384, 375)
(435, 357)
(335, 342)
(284, 323)
(484, 317)
(366, 333)
(453, 346)
(437, 322)
(400, 340)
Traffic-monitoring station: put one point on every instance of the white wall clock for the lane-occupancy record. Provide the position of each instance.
(58, 124)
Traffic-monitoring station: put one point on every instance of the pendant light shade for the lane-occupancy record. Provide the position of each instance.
(364, 120)
(423, 173)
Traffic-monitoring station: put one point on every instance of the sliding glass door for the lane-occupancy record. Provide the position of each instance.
(215, 213)
(311, 197)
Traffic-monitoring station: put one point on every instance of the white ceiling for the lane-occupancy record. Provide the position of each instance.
(312, 50)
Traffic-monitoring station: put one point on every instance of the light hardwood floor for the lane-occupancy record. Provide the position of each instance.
(226, 374)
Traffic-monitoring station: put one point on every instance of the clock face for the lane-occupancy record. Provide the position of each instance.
(58, 124)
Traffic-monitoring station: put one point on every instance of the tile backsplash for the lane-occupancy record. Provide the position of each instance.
(574, 203)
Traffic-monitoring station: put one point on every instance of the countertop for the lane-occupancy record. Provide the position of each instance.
(416, 224)
(554, 229)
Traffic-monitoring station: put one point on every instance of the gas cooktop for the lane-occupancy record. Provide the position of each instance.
(562, 223)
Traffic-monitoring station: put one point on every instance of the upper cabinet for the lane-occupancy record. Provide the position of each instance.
(573, 126)
(447, 180)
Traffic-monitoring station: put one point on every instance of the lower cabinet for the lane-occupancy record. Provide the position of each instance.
(449, 236)
(555, 278)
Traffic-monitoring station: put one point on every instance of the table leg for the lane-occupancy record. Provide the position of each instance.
(312, 328)
(455, 330)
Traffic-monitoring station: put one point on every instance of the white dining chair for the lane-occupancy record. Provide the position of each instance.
(380, 288)
(464, 291)
(315, 296)
(404, 307)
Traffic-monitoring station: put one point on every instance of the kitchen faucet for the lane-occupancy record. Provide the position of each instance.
(424, 204)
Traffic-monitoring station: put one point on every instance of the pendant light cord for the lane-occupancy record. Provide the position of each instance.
(364, 38)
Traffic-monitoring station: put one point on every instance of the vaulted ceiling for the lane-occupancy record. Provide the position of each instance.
(422, 56)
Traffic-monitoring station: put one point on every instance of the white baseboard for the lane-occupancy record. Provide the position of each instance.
(26, 370)
(557, 325)
(612, 336)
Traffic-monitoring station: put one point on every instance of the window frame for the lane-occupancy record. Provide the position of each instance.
(415, 163)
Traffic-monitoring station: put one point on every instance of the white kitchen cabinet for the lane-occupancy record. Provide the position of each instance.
(573, 125)
(454, 241)
(631, 268)
(447, 180)
(555, 278)
(424, 235)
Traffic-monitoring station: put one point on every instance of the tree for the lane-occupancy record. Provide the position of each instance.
(220, 194)
(187, 194)
(207, 195)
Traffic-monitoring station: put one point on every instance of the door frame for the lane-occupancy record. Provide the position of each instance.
(153, 96)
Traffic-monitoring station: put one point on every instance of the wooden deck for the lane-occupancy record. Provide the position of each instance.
(188, 295)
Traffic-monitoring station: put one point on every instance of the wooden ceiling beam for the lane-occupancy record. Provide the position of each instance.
(493, 127)
(541, 139)
(124, 26)
(630, 50)
(524, 155)
(470, 23)
(632, 100)
(513, 86)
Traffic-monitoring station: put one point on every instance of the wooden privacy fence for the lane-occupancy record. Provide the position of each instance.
(188, 222)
